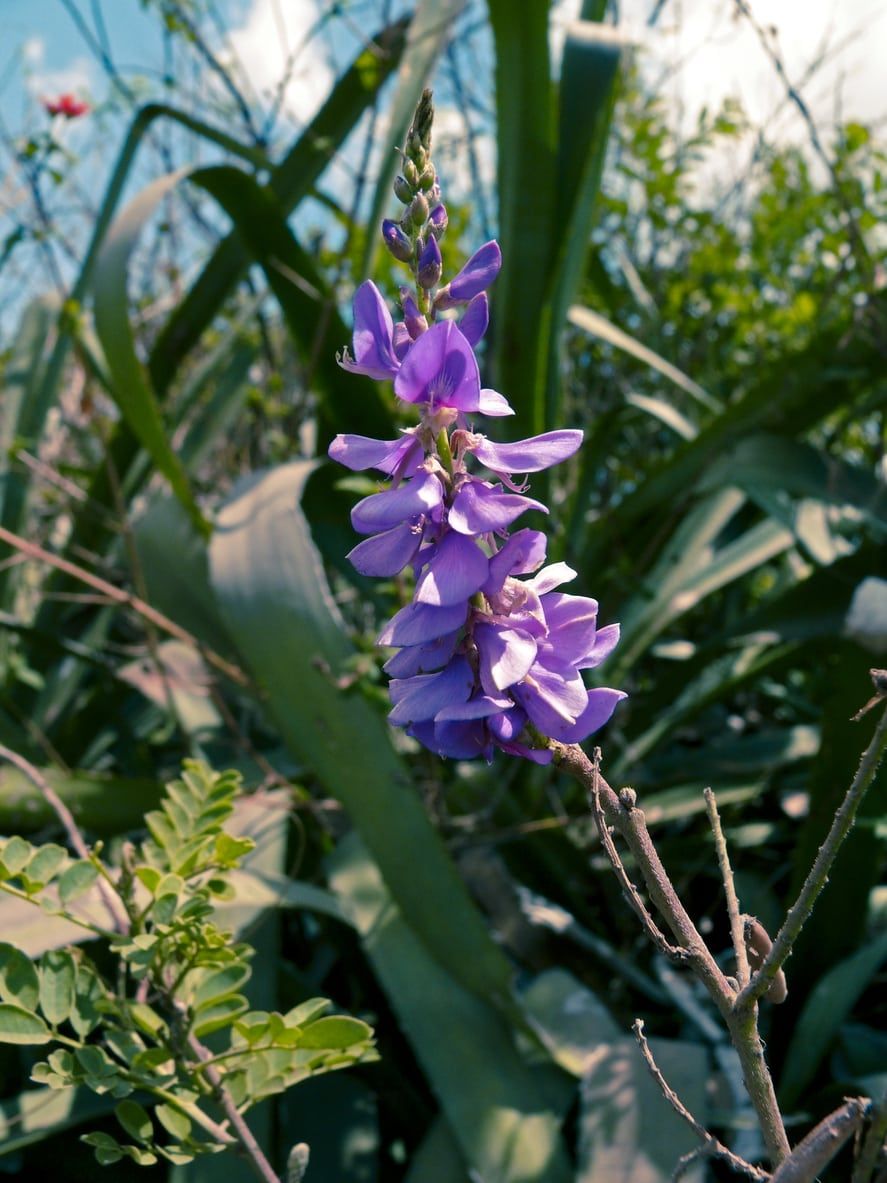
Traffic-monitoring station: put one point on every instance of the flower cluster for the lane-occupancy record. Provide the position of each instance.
(485, 659)
(66, 105)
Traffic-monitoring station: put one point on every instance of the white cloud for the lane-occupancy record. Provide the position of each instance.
(276, 38)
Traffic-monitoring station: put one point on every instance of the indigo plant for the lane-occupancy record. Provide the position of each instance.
(486, 659)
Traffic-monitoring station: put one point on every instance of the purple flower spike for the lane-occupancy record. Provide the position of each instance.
(490, 652)
(373, 331)
(440, 370)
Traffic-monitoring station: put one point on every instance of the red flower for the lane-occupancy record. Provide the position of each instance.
(67, 105)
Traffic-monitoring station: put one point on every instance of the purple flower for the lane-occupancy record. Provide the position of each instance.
(373, 331)
(476, 276)
(490, 650)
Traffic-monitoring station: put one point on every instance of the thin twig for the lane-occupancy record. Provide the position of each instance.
(109, 897)
(629, 890)
(711, 1145)
(823, 1142)
(872, 1144)
(743, 973)
(245, 1136)
(621, 812)
(127, 599)
(800, 911)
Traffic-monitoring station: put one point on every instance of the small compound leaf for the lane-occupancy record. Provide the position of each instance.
(173, 1121)
(18, 1025)
(18, 978)
(335, 1031)
(135, 1120)
(57, 974)
(78, 878)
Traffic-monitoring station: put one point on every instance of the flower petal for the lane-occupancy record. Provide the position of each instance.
(440, 369)
(419, 623)
(373, 332)
(419, 659)
(479, 508)
(490, 402)
(572, 625)
(387, 553)
(457, 570)
(523, 552)
(551, 699)
(422, 697)
(475, 319)
(383, 511)
(358, 452)
(478, 273)
(530, 455)
(550, 577)
(481, 707)
(506, 655)
(605, 642)
(602, 702)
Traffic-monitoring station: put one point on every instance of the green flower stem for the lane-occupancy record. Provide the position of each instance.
(444, 451)
(622, 814)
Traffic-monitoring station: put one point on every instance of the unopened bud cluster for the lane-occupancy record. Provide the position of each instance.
(414, 238)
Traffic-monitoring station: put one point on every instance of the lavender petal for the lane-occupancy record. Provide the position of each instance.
(384, 511)
(530, 455)
(387, 553)
(457, 570)
(479, 508)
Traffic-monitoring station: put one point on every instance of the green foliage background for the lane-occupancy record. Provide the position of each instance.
(724, 353)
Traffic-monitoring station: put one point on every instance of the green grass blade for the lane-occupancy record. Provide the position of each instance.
(599, 327)
(526, 137)
(491, 1098)
(131, 389)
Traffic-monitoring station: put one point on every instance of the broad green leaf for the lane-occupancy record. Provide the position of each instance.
(76, 880)
(664, 412)
(18, 1025)
(437, 1158)
(88, 989)
(627, 1130)
(828, 1005)
(491, 1098)
(57, 975)
(270, 585)
(18, 978)
(526, 147)
(135, 1120)
(107, 1149)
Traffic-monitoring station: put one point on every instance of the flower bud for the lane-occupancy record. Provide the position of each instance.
(403, 191)
(411, 173)
(396, 241)
(415, 322)
(428, 177)
(418, 210)
(438, 221)
(417, 154)
(430, 264)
